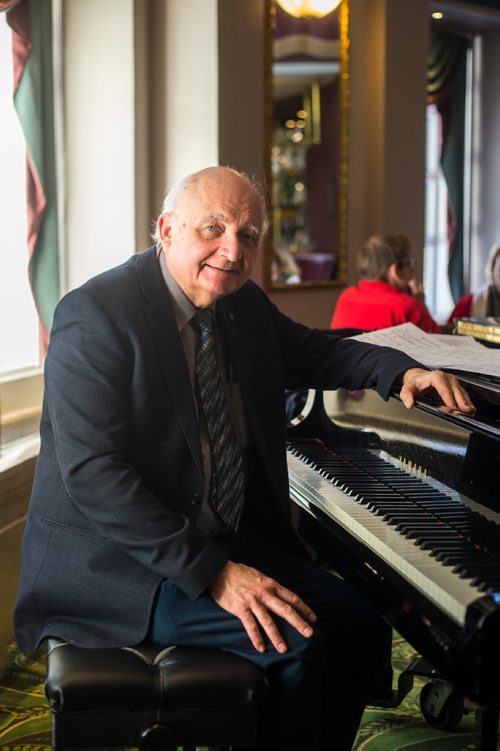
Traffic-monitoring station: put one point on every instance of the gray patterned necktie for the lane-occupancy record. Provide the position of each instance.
(227, 493)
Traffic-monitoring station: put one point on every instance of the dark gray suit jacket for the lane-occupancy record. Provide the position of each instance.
(119, 479)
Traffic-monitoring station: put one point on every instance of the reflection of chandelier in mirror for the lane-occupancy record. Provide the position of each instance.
(308, 8)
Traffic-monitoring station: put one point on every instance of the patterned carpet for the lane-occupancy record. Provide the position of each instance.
(25, 721)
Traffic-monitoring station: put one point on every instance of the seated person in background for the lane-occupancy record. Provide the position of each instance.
(486, 301)
(285, 269)
(387, 294)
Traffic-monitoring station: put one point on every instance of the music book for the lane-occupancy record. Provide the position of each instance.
(443, 351)
(487, 328)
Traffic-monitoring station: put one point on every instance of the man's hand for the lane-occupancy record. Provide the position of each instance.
(418, 380)
(252, 597)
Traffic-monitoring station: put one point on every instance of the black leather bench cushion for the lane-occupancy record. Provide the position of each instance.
(150, 677)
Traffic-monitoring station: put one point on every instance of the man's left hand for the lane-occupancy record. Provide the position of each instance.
(418, 380)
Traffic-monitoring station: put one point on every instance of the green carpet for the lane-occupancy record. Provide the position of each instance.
(25, 720)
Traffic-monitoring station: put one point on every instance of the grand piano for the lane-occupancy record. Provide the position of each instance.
(405, 505)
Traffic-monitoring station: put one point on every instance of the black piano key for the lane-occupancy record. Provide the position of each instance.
(410, 531)
(457, 561)
(432, 541)
(441, 524)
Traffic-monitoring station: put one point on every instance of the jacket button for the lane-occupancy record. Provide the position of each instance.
(196, 499)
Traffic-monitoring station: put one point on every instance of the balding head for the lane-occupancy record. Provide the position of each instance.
(212, 177)
(210, 229)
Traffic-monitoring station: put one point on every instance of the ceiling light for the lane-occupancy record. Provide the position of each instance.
(308, 8)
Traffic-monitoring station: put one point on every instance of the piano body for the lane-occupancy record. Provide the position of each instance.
(405, 505)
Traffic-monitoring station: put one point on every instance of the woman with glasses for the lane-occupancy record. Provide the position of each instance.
(387, 293)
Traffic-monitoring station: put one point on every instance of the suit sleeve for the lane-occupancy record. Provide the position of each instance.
(315, 359)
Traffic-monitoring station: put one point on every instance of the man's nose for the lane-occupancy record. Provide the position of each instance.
(231, 247)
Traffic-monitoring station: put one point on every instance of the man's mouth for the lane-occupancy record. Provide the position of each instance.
(224, 269)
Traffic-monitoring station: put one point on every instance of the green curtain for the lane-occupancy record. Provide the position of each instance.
(31, 22)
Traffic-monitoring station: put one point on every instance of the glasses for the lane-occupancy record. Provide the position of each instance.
(407, 263)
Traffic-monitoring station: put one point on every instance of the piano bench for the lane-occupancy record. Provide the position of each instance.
(151, 697)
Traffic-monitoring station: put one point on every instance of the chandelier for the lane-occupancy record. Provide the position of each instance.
(309, 9)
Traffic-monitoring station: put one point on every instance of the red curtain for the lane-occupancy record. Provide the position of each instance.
(33, 98)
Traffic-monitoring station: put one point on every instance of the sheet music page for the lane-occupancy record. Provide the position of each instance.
(445, 351)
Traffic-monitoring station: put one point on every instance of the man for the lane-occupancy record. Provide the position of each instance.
(387, 293)
(123, 542)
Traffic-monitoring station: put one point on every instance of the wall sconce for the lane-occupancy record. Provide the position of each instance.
(308, 9)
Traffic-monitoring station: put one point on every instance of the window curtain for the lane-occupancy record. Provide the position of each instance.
(446, 88)
(31, 23)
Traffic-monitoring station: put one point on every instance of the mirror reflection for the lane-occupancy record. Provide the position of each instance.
(305, 150)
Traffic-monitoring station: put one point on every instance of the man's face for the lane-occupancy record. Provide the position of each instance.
(212, 237)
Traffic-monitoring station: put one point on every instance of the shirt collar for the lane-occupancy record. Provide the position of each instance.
(184, 309)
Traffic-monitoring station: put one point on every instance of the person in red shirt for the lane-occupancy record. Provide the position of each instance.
(387, 293)
(486, 301)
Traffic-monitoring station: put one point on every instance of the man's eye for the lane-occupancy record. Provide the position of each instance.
(211, 228)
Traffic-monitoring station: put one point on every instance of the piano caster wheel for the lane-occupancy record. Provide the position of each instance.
(441, 705)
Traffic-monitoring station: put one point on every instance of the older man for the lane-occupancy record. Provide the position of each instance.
(160, 505)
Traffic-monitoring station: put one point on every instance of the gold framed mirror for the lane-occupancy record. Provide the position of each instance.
(307, 148)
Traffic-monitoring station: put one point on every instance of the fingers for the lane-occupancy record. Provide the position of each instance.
(276, 599)
(254, 598)
(451, 392)
(250, 625)
(411, 385)
(462, 399)
(288, 606)
(454, 397)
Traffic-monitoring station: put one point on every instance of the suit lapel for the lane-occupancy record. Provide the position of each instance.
(161, 320)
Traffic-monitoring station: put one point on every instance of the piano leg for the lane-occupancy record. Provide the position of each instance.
(487, 729)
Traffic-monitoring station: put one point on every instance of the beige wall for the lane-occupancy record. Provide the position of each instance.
(387, 121)
(98, 91)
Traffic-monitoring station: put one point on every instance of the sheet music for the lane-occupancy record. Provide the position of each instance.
(445, 351)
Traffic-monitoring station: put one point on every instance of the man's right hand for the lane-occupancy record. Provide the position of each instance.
(252, 597)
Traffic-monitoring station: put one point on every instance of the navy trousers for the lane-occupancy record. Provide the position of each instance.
(319, 687)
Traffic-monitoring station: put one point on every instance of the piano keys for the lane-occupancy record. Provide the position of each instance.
(405, 505)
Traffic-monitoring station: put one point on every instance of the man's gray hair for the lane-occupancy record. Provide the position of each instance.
(170, 198)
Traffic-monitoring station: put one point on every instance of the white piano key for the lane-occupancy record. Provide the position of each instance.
(437, 582)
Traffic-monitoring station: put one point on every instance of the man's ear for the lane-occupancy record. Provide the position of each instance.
(164, 227)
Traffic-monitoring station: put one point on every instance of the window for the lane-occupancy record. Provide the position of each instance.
(448, 170)
(19, 332)
(437, 289)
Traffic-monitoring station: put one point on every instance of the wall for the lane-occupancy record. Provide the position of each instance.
(242, 93)
(98, 64)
